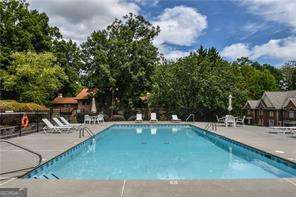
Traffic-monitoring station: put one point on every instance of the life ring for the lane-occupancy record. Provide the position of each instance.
(25, 121)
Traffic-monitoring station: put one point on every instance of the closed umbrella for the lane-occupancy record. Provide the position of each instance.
(93, 106)
(229, 103)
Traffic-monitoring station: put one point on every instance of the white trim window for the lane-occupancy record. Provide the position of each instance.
(291, 114)
(271, 113)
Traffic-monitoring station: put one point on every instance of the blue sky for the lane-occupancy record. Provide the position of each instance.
(263, 30)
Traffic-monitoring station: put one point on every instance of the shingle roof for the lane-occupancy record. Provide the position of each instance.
(253, 103)
(84, 93)
(64, 100)
(277, 99)
(293, 100)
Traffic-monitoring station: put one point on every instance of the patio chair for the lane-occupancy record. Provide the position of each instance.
(230, 121)
(139, 118)
(220, 120)
(241, 121)
(175, 118)
(87, 119)
(153, 117)
(50, 128)
(100, 118)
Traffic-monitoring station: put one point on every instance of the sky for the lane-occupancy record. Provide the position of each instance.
(263, 30)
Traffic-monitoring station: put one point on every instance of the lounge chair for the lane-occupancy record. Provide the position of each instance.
(60, 124)
(87, 119)
(153, 117)
(50, 128)
(241, 121)
(284, 130)
(69, 124)
(139, 118)
(175, 118)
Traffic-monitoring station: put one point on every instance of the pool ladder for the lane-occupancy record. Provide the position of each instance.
(191, 115)
(211, 125)
(83, 129)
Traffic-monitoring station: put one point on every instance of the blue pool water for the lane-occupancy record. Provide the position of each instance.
(162, 152)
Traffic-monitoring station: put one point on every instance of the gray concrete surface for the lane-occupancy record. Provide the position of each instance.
(51, 145)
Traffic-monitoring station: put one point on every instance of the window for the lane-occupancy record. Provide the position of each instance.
(271, 123)
(260, 113)
(291, 114)
(271, 113)
(249, 112)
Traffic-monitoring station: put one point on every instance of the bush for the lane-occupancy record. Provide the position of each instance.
(117, 118)
(12, 105)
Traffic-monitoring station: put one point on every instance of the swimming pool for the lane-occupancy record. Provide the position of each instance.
(162, 152)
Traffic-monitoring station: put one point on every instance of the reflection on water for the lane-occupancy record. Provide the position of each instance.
(153, 131)
(139, 130)
(174, 130)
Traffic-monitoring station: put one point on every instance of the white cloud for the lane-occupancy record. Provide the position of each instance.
(78, 18)
(282, 11)
(180, 25)
(280, 49)
(235, 51)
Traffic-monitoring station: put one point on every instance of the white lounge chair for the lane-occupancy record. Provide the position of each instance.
(69, 124)
(139, 118)
(153, 117)
(87, 119)
(175, 118)
(241, 121)
(60, 124)
(50, 128)
(284, 130)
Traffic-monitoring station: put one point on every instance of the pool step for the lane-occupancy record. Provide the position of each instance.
(47, 176)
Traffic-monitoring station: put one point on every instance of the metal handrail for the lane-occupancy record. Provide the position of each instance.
(88, 130)
(26, 149)
(193, 117)
(211, 124)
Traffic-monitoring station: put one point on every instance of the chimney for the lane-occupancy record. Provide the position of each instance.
(60, 95)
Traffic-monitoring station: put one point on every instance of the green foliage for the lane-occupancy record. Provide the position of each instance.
(289, 75)
(11, 105)
(203, 81)
(120, 60)
(69, 57)
(22, 30)
(33, 77)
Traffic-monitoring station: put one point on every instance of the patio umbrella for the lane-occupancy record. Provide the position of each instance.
(93, 106)
(229, 103)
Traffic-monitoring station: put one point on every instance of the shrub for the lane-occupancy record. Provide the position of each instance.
(117, 118)
(12, 105)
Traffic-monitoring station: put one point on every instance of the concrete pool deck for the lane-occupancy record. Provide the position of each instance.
(51, 145)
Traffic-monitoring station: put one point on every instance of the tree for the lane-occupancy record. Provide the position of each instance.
(202, 82)
(68, 55)
(289, 75)
(23, 30)
(33, 77)
(120, 60)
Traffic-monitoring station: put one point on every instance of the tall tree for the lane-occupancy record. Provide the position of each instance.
(33, 77)
(23, 30)
(120, 60)
(68, 55)
(289, 75)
